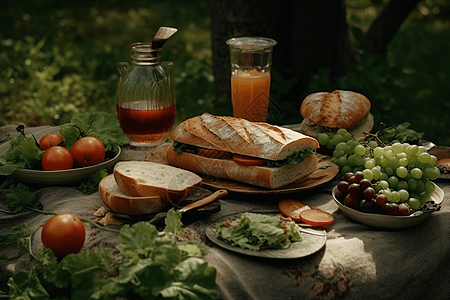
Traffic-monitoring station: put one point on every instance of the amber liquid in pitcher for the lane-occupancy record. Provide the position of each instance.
(145, 125)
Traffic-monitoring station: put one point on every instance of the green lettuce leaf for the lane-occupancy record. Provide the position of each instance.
(259, 231)
(22, 153)
(101, 125)
(173, 222)
(18, 196)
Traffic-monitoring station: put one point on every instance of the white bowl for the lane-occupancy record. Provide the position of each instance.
(388, 221)
(61, 177)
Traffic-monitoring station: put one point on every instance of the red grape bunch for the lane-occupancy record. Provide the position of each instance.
(359, 193)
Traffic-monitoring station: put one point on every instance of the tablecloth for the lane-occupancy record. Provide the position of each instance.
(357, 261)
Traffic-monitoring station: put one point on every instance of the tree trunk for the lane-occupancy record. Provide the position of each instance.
(310, 35)
(386, 25)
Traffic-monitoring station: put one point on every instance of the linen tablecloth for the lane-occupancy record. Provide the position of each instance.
(357, 261)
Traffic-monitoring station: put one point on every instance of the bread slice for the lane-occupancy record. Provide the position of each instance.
(271, 178)
(240, 136)
(144, 178)
(120, 202)
(338, 109)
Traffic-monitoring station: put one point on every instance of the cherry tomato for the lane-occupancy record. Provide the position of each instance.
(248, 161)
(88, 151)
(56, 158)
(292, 208)
(64, 234)
(50, 140)
(210, 153)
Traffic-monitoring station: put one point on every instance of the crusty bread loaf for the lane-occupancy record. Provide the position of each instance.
(271, 178)
(338, 109)
(120, 202)
(240, 136)
(143, 178)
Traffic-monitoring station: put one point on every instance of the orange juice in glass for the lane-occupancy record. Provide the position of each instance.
(251, 59)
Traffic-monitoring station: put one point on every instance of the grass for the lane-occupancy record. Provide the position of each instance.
(58, 60)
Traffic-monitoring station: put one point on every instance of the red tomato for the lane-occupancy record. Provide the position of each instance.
(64, 234)
(213, 153)
(88, 151)
(50, 140)
(317, 217)
(56, 158)
(248, 161)
(292, 208)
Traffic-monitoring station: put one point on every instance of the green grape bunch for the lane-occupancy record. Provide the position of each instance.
(402, 172)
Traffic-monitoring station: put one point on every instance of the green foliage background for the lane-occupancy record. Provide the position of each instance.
(60, 57)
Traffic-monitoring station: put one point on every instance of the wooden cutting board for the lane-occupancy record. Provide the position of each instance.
(325, 172)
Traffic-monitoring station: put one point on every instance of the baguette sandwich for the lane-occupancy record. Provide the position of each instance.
(325, 112)
(255, 153)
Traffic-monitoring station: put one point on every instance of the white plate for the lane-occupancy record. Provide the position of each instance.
(387, 221)
(312, 241)
(61, 177)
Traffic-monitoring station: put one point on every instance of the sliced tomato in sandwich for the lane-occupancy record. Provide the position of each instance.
(248, 161)
(211, 153)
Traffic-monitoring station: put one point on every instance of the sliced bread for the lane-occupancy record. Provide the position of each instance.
(144, 178)
(120, 202)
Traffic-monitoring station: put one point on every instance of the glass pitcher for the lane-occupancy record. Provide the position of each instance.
(145, 96)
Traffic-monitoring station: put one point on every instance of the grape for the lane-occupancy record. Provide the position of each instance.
(384, 184)
(389, 171)
(368, 193)
(412, 183)
(323, 138)
(404, 195)
(337, 138)
(381, 199)
(414, 203)
(330, 144)
(411, 150)
(395, 196)
(384, 176)
(390, 209)
(416, 173)
(397, 148)
(403, 162)
(346, 169)
(402, 185)
(354, 189)
(378, 152)
(420, 186)
(348, 136)
(370, 163)
(369, 206)
(421, 149)
(359, 149)
(350, 200)
(343, 186)
(372, 144)
(342, 161)
(389, 153)
(432, 173)
(341, 146)
(424, 158)
(384, 162)
(401, 172)
(338, 153)
(401, 155)
(393, 181)
(429, 187)
(368, 174)
(376, 173)
(358, 160)
(394, 164)
(433, 160)
(341, 131)
(403, 209)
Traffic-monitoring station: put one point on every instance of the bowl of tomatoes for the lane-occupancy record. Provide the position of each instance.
(59, 166)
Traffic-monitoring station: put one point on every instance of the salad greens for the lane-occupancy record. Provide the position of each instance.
(259, 231)
(22, 153)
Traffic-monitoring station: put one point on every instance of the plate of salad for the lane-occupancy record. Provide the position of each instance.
(265, 235)
(21, 157)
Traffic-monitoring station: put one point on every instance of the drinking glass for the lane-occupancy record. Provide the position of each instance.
(251, 60)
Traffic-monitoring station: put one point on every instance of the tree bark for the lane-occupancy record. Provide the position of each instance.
(386, 25)
(310, 35)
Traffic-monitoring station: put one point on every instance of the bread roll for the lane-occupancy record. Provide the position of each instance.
(338, 109)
